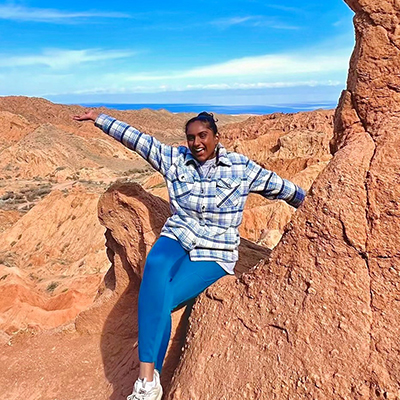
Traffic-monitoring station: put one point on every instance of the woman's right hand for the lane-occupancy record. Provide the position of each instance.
(88, 115)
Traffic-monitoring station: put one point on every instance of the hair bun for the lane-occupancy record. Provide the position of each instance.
(208, 115)
(207, 119)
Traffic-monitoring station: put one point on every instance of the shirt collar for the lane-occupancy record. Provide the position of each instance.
(222, 157)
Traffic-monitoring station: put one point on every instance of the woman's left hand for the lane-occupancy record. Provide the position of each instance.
(89, 115)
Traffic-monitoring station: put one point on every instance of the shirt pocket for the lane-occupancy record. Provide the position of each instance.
(228, 192)
(183, 182)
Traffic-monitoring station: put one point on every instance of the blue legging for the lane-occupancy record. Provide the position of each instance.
(169, 279)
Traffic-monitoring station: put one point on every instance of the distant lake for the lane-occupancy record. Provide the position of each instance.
(197, 108)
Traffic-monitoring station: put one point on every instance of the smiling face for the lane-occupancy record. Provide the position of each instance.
(201, 141)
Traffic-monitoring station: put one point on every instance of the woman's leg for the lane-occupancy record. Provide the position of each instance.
(169, 279)
(154, 313)
(189, 280)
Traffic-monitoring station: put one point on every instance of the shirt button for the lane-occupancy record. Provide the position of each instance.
(203, 208)
(202, 191)
(193, 242)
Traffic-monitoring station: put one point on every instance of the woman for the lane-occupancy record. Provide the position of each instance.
(208, 187)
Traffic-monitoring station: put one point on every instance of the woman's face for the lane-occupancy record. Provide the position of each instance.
(201, 141)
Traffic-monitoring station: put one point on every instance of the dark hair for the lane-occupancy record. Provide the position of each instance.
(207, 119)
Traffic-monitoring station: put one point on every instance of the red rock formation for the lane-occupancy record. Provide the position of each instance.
(13, 128)
(104, 337)
(8, 219)
(50, 267)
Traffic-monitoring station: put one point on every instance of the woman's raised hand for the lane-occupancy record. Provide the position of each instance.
(89, 115)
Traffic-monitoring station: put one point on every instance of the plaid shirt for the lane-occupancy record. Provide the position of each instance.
(206, 211)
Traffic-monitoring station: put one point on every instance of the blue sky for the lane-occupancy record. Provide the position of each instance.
(256, 52)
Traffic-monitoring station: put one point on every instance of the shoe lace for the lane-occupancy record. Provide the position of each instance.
(137, 396)
(139, 393)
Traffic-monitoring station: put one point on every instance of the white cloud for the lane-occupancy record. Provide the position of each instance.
(270, 66)
(60, 59)
(263, 85)
(275, 64)
(20, 13)
(227, 22)
(252, 21)
(196, 87)
(51, 72)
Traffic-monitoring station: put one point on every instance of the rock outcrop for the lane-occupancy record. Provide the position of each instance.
(104, 336)
(50, 266)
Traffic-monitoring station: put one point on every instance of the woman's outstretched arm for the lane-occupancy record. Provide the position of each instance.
(271, 186)
(159, 155)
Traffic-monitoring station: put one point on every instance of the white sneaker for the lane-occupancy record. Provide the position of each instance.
(140, 393)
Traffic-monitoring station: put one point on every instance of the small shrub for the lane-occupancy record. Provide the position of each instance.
(160, 185)
(7, 196)
(7, 259)
(52, 286)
